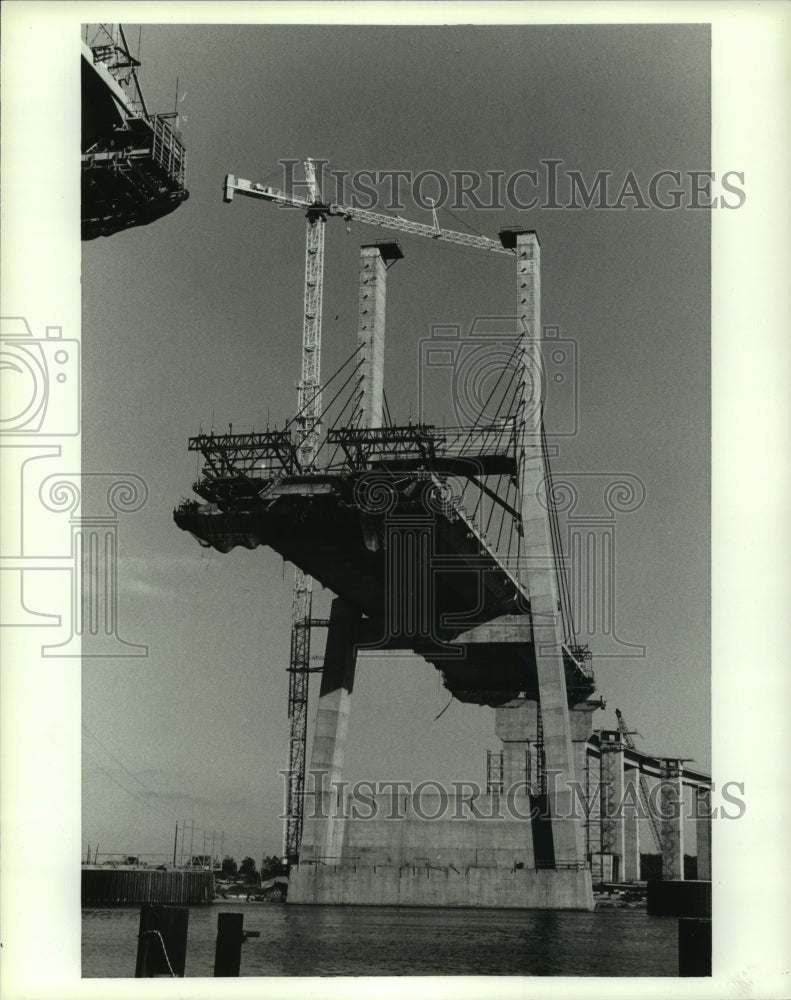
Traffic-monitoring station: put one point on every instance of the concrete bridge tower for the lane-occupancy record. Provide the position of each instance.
(520, 843)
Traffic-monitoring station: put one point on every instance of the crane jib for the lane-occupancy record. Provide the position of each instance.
(350, 214)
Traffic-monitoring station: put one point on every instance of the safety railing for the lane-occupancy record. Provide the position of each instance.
(168, 151)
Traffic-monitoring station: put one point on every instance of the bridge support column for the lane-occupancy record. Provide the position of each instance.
(515, 726)
(371, 330)
(323, 823)
(703, 830)
(631, 825)
(612, 789)
(672, 820)
(581, 721)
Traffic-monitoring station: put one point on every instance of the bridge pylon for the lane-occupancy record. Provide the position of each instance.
(413, 570)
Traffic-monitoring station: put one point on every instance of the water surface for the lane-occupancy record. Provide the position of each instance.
(390, 941)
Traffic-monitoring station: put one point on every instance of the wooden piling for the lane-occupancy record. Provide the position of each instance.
(694, 946)
(161, 941)
(228, 952)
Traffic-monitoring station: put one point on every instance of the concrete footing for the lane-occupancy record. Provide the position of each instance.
(417, 885)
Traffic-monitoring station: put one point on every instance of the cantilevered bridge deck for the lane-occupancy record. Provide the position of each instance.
(382, 529)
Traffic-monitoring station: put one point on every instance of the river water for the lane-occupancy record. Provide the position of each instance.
(389, 941)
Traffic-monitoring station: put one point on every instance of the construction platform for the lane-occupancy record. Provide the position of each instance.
(133, 162)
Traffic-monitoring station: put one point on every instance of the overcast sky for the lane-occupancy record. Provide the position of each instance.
(197, 319)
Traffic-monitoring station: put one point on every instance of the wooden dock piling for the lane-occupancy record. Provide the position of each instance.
(162, 941)
(228, 951)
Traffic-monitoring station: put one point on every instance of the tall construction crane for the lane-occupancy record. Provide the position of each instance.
(317, 211)
(653, 822)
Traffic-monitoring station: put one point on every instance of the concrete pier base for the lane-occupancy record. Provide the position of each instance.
(416, 885)
(435, 849)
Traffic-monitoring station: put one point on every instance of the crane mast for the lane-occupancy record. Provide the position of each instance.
(309, 409)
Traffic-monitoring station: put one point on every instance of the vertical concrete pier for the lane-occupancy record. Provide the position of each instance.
(631, 825)
(515, 725)
(581, 720)
(612, 792)
(703, 830)
(372, 301)
(672, 818)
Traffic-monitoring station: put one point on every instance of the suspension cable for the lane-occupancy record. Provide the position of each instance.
(322, 388)
(329, 405)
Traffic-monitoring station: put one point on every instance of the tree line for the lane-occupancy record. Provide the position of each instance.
(246, 870)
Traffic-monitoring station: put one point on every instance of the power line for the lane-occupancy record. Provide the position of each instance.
(149, 791)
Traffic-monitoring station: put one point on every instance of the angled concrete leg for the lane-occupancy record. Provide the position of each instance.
(567, 832)
(567, 828)
(323, 825)
(538, 565)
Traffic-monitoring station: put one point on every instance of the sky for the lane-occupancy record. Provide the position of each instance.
(195, 321)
